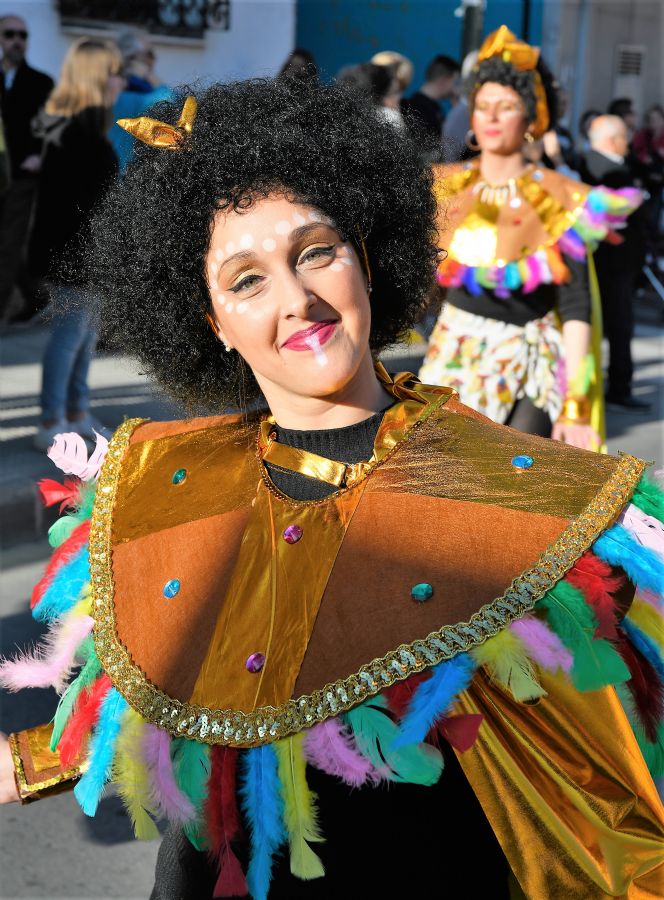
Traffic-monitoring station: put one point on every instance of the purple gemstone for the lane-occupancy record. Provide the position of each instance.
(255, 662)
(292, 534)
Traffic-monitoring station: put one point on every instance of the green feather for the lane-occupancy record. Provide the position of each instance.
(85, 677)
(596, 663)
(649, 497)
(375, 733)
(61, 529)
(191, 764)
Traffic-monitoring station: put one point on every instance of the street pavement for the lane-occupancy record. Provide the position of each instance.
(50, 849)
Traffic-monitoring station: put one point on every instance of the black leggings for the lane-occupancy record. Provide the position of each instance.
(525, 416)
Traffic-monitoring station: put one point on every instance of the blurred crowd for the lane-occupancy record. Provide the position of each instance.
(59, 150)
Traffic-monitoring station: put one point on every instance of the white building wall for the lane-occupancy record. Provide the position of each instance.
(261, 36)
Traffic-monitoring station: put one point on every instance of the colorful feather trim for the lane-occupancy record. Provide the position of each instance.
(263, 806)
(644, 568)
(544, 646)
(329, 747)
(60, 558)
(646, 687)
(65, 589)
(167, 797)
(223, 822)
(69, 452)
(90, 671)
(130, 774)
(300, 815)
(89, 789)
(82, 720)
(597, 582)
(191, 765)
(504, 657)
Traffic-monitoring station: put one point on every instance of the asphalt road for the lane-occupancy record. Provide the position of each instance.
(50, 849)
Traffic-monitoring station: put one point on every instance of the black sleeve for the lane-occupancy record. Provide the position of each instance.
(574, 297)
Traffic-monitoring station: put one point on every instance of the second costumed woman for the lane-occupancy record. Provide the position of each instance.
(519, 334)
(367, 642)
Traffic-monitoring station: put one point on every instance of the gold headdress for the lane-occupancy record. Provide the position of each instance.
(522, 56)
(161, 134)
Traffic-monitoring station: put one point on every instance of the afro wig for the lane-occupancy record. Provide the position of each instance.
(322, 145)
(497, 71)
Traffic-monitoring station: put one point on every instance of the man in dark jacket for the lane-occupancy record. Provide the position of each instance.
(23, 91)
(617, 265)
(424, 106)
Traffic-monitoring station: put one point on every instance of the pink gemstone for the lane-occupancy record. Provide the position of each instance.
(292, 534)
(255, 662)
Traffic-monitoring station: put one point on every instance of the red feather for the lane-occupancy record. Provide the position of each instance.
(461, 731)
(597, 582)
(53, 492)
(645, 687)
(223, 822)
(62, 555)
(399, 694)
(82, 720)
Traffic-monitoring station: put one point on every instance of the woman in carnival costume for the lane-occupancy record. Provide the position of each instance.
(519, 335)
(274, 626)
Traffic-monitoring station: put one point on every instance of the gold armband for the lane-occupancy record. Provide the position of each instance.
(575, 410)
(37, 770)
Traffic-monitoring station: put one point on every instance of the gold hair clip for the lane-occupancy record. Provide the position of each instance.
(161, 134)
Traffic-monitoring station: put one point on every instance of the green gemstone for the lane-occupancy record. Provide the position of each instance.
(421, 592)
(179, 476)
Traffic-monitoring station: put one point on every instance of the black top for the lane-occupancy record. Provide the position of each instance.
(391, 841)
(572, 300)
(20, 104)
(79, 165)
(426, 113)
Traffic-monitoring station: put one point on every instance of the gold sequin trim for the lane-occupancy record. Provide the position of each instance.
(29, 792)
(236, 728)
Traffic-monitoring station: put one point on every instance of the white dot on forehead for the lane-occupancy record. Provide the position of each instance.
(315, 216)
(283, 227)
(230, 247)
(299, 219)
(246, 241)
(214, 268)
(220, 297)
(269, 244)
(219, 255)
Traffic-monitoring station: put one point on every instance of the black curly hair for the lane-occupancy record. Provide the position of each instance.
(324, 146)
(498, 71)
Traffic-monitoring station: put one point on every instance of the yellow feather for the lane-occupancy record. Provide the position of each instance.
(82, 607)
(505, 658)
(299, 808)
(131, 776)
(648, 620)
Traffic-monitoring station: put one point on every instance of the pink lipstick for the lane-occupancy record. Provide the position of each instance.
(318, 333)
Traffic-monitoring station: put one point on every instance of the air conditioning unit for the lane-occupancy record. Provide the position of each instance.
(629, 73)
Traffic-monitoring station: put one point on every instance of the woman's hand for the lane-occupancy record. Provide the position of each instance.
(577, 434)
(8, 789)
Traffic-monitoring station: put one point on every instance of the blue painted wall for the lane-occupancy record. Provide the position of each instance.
(343, 32)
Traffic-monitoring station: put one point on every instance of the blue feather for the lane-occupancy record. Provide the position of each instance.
(433, 697)
(643, 567)
(263, 806)
(470, 282)
(65, 589)
(646, 645)
(89, 789)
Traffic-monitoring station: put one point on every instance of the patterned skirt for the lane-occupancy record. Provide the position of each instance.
(494, 364)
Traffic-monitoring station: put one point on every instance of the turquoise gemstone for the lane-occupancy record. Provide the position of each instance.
(421, 592)
(179, 476)
(171, 588)
(522, 461)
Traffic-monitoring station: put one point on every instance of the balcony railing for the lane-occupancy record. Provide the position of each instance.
(178, 18)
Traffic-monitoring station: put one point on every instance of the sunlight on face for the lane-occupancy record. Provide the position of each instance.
(289, 294)
(499, 118)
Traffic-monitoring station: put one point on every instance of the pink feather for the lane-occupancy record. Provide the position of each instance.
(544, 647)
(167, 796)
(330, 748)
(69, 452)
(652, 599)
(646, 530)
(51, 662)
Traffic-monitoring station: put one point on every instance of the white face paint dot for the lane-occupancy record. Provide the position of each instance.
(220, 298)
(315, 217)
(346, 261)
(230, 248)
(336, 267)
(242, 308)
(229, 306)
(219, 255)
(269, 244)
(283, 227)
(214, 268)
(246, 241)
(299, 219)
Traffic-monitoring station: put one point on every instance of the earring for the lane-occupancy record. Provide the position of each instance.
(471, 141)
(529, 137)
(227, 347)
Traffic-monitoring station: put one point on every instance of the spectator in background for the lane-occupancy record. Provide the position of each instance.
(648, 148)
(142, 89)
(585, 122)
(23, 91)
(565, 139)
(78, 166)
(300, 64)
(457, 122)
(423, 106)
(400, 66)
(617, 265)
(378, 84)
(624, 109)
